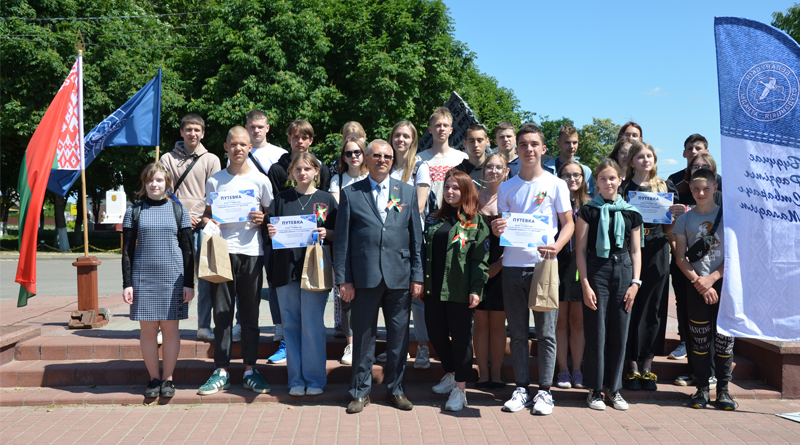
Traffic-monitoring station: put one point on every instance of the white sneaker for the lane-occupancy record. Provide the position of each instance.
(278, 333)
(236, 333)
(205, 334)
(543, 403)
(314, 391)
(423, 358)
(457, 400)
(446, 385)
(617, 401)
(595, 400)
(159, 337)
(297, 391)
(519, 400)
(347, 357)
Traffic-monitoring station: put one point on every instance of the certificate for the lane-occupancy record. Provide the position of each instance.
(293, 231)
(230, 207)
(525, 230)
(654, 207)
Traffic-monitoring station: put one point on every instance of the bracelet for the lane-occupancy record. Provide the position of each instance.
(637, 282)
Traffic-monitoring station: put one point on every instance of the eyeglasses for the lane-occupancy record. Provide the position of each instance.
(354, 153)
(378, 157)
(571, 176)
(494, 168)
(698, 167)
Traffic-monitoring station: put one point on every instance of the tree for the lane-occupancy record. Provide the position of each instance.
(596, 140)
(789, 22)
(327, 61)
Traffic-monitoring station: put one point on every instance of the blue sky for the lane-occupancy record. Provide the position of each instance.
(653, 62)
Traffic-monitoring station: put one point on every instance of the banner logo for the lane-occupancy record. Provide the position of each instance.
(768, 91)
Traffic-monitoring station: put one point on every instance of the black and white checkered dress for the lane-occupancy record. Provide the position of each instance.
(157, 271)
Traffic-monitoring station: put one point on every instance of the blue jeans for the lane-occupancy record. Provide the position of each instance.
(302, 313)
(203, 294)
(272, 295)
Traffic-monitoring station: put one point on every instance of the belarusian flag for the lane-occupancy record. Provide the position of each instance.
(59, 131)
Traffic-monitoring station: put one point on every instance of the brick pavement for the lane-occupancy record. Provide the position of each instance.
(645, 422)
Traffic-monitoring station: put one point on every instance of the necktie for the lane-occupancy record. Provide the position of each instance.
(381, 201)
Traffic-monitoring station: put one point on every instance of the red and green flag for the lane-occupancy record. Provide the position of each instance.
(60, 132)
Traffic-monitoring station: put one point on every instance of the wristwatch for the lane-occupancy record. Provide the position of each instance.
(637, 282)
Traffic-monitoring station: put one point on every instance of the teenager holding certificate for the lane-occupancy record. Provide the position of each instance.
(538, 194)
(647, 315)
(302, 311)
(608, 233)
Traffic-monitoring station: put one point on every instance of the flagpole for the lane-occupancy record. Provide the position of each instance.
(83, 157)
(88, 315)
(156, 153)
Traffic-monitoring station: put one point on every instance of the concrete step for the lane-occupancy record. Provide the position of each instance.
(195, 371)
(419, 394)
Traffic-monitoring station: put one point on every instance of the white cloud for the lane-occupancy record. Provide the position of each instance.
(658, 150)
(655, 92)
(667, 161)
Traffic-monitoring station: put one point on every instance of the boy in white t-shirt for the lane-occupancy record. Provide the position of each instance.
(441, 157)
(245, 248)
(534, 192)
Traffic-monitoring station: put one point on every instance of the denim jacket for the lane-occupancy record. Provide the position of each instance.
(466, 268)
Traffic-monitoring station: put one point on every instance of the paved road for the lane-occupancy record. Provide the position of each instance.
(56, 276)
(572, 422)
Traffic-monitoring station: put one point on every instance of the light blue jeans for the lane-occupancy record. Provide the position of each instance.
(418, 314)
(302, 313)
(203, 294)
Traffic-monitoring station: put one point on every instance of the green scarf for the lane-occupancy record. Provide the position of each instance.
(603, 245)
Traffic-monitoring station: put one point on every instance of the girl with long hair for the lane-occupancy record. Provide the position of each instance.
(569, 327)
(455, 275)
(489, 333)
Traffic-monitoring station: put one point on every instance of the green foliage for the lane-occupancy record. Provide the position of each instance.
(789, 21)
(596, 140)
(327, 61)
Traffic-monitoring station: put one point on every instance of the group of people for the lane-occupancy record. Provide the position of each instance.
(417, 234)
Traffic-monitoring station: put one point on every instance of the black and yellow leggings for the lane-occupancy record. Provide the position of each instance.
(707, 343)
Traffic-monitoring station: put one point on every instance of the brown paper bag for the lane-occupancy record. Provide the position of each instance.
(317, 270)
(543, 296)
(215, 264)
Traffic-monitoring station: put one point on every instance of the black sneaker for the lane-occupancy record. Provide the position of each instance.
(724, 400)
(631, 381)
(167, 388)
(153, 388)
(648, 381)
(700, 398)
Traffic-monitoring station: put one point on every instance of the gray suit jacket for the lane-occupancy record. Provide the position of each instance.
(366, 249)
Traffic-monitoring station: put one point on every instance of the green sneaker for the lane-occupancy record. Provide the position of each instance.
(214, 383)
(255, 382)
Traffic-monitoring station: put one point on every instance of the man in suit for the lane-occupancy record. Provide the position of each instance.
(377, 258)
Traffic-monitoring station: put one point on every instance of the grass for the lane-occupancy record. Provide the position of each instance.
(98, 241)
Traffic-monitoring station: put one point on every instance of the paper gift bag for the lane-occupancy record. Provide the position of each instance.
(543, 296)
(215, 264)
(317, 269)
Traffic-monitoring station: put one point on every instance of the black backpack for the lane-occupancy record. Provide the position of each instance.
(136, 212)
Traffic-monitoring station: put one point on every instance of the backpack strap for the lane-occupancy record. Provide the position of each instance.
(257, 164)
(186, 172)
(136, 213)
(716, 222)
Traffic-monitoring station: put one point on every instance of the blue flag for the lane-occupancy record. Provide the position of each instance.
(137, 122)
(758, 68)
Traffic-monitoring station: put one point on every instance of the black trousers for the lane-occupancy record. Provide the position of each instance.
(646, 314)
(247, 281)
(450, 332)
(396, 305)
(708, 346)
(606, 329)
